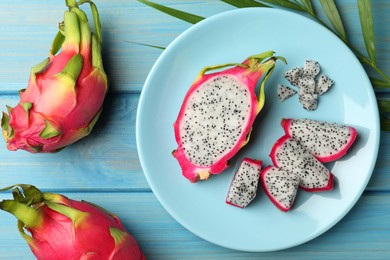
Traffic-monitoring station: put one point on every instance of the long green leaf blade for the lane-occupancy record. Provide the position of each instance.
(244, 3)
(385, 123)
(384, 105)
(187, 17)
(333, 15)
(286, 4)
(365, 14)
(308, 7)
(147, 45)
(379, 84)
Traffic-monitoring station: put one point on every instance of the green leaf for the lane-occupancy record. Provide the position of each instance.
(385, 123)
(308, 7)
(365, 14)
(187, 17)
(147, 45)
(379, 84)
(384, 105)
(286, 4)
(244, 3)
(333, 15)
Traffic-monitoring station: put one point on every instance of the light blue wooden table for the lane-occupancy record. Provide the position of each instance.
(104, 167)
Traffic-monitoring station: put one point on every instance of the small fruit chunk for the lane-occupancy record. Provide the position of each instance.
(323, 84)
(311, 69)
(310, 88)
(325, 141)
(309, 101)
(243, 187)
(293, 75)
(284, 92)
(289, 155)
(280, 186)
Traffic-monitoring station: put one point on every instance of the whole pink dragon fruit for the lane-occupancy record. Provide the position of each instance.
(217, 115)
(61, 228)
(65, 93)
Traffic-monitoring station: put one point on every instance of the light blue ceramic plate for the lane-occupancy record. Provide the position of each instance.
(231, 37)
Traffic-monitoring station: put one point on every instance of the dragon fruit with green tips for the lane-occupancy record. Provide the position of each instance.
(325, 141)
(56, 227)
(243, 188)
(217, 114)
(65, 92)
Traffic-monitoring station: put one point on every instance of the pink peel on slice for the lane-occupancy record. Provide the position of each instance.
(286, 124)
(305, 165)
(289, 179)
(243, 187)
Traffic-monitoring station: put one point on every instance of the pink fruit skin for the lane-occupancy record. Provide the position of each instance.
(194, 172)
(279, 206)
(70, 107)
(257, 163)
(272, 155)
(286, 126)
(58, 238)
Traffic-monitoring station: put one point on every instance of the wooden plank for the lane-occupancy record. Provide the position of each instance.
(108, 159)
(26, 32)
(364, 233)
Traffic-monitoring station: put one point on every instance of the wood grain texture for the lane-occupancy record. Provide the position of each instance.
(360, 235)
(104, 168)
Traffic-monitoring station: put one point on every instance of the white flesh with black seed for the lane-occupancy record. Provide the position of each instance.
(306, 85)
(323, 84)
(281, 185)
(244, 185)
(293, 75)
(213, 120)
(293, 157)
(322, 139)
(309, 101)
(311, 69)
(284, 92)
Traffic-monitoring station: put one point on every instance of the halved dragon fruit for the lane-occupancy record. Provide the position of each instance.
(217, 114)
(291, 156)
(326, 141)
(243, 188)
(280, 186)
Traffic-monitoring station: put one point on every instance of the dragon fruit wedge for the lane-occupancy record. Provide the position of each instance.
(65, 93)
(217, 114)
(243, 188)
(326, 141)
(291, 156)
(57, 228)
(280, 186)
